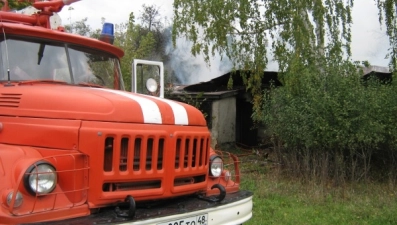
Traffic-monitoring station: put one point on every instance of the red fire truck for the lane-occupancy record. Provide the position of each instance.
(76, 148)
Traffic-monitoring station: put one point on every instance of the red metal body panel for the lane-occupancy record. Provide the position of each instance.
(82, 103)
(67, 200)
(99, 145)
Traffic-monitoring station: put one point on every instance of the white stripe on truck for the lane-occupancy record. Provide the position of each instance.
(180, 113)
(151, 111)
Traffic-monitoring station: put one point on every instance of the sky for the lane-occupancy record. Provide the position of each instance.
(369, 40)
(114, 11)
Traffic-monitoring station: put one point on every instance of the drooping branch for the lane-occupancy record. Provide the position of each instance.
(387, 15)
(251, 33)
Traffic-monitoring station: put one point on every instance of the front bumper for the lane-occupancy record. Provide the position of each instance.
(236, 208)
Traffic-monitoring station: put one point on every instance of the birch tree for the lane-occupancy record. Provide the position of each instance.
(297, 34)
(387, 15)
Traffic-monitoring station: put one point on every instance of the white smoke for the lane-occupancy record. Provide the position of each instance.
(191, 69)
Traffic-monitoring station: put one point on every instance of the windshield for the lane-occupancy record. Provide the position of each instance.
(46, 60)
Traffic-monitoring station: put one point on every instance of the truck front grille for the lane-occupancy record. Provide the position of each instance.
(128, 186)
(146, 154)
(141, 162)
(189, 180)
(190, 152)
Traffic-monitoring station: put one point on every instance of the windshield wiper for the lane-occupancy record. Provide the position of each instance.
(40, 53)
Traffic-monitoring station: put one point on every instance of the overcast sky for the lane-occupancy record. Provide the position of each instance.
(114, 11)
(369, 41)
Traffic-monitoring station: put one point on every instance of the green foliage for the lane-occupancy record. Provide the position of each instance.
(17, 4)
(80, 27)
(141, 41)
(387, 15)
(195, 101)
(335, 114)
(150, 17)
(245, 30)
(136, 43)
(323, 114)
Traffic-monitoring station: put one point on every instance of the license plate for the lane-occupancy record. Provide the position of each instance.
(194, 220)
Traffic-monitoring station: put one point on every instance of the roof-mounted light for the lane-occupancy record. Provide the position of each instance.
(151, 85)
(107, 34)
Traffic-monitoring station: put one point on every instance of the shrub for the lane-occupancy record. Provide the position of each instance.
(330, 123)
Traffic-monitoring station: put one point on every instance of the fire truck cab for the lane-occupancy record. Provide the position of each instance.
(76, 148)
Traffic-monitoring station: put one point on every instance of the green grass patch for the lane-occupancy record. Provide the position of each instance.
(283, 200)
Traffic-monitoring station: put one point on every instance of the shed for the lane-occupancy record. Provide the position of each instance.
(228, 111)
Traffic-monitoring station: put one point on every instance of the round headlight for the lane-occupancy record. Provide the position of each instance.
(18, 199)
(228, 175)
(40, 178)
(216, 166)
(151, 85)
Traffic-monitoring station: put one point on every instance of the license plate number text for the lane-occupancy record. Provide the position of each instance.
(194, 220)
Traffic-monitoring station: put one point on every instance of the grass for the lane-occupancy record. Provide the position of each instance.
(281, 200)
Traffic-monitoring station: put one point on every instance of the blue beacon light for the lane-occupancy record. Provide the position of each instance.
(107, 34)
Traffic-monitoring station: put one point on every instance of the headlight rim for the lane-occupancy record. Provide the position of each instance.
(29, 172)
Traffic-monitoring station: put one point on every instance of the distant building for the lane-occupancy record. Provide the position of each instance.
(228, 111)
(381, 72)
